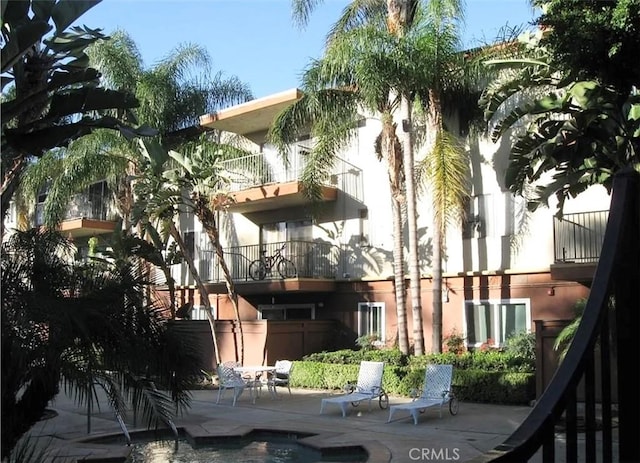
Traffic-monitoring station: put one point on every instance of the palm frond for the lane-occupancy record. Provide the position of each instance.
(447, 179)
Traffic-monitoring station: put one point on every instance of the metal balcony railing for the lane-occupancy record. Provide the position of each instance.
(310, 259)
(83, 206)
(264, 168)
(578, 237)
(608, 330)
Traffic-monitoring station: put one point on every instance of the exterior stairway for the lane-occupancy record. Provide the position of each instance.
(611, 321)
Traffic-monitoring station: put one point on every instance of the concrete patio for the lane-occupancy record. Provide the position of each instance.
(474, 430)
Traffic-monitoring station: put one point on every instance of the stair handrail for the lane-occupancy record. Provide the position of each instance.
(530, 436)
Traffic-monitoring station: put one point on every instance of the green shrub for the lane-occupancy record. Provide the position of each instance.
(523, 345)
(472, 385)
(494, 386)
(354, 357)
(446, 358)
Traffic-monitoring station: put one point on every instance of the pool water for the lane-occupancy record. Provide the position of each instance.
(274, 449)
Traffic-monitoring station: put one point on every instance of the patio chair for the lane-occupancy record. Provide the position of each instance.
(249, 379)
(436, 392)
(229, 379)
(369, 387)
(281, 376)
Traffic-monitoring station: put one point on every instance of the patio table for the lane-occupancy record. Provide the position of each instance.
(255, 371)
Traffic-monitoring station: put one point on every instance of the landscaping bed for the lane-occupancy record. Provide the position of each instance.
(481, 376)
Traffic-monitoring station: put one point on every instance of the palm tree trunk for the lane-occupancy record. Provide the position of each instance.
(435, 116)
(392, 151)
(209, 223)
(436, 316)
(398, 272)
(204, 296)
(412, 226)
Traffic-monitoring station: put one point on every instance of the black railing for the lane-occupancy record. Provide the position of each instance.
(615, 296)
(310, 259)
(578, 237)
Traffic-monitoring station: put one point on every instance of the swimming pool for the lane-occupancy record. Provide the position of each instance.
(254, 446)
(263, 448)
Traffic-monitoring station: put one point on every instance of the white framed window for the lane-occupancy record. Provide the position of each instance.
(493, 215)
(287, 312)
(493, 321)
(371, 321)
(199, 312)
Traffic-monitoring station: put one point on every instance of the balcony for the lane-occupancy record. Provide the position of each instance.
(87, 215)
(577, 242)
(263, 181)
(314, 268)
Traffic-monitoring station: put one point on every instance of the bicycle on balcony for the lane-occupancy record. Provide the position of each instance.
(260, 268)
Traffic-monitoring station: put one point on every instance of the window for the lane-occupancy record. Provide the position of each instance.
(286, 312)
(495, 321)
(200, 313)
(189, 238)
(292, 230)
(493, 215)
(371, 320)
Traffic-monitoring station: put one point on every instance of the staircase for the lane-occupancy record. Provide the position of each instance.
(611, 320)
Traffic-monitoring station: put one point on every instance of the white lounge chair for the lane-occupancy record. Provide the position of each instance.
(436, 392)
(369, 387)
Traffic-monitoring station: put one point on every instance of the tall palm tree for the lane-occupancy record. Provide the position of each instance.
(173, 94)
(350, 78)
(85, 327)
(437, 78)
(450, 84)
(391, 14)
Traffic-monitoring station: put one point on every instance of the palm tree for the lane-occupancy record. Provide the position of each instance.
(452, 83)
(172, 95)
(437, 78)
(53, 95)
(85, 327)
(345, 80)
(393, 14)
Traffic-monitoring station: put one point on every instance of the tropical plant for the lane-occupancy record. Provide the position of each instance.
(194, 182)
(83, 326)
(566, 335)
(173, 94)
(424, 50)
(578, 132)
(351, 77)
(53, 94)
(521, 344)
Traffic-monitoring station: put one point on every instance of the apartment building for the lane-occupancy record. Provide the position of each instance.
(505, 267)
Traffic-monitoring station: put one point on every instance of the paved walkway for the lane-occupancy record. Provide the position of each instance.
(475, 429)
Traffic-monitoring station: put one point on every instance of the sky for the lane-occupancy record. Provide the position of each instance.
(256, 40)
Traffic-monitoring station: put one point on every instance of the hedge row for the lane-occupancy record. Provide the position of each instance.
(490, 360)
(472, 385)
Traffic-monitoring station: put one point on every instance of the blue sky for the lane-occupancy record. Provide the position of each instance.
(256, 40)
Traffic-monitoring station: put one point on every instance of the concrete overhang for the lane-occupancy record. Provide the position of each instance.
(86, 227)
(582, 272)
(253, 118)
(291, 285)
(276, 196)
